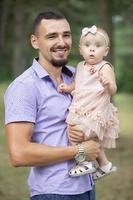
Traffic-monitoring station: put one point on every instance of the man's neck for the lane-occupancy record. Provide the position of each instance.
(54, 72)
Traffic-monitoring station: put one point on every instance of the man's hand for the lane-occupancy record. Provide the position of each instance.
(92, 149)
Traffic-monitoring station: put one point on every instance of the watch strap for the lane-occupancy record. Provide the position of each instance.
(80, 152)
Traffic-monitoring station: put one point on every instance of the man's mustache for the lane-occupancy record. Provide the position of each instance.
(66, 47)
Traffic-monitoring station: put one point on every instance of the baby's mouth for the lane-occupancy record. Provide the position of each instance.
(92, 56)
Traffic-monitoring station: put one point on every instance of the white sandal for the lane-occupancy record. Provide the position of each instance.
(100, 173)
(82, 169)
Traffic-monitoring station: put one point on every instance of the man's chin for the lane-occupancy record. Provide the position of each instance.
(59, 63)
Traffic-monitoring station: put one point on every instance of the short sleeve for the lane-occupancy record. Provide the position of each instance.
(20, 103)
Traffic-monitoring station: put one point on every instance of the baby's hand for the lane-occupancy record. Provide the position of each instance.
(62, 87)
(104, 81)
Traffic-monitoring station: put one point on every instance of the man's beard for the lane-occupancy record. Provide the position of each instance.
(59, 63)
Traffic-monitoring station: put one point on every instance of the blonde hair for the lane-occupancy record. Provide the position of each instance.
(101, 30)
(95, 30)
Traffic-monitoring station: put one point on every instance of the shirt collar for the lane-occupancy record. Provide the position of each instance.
(41, 72)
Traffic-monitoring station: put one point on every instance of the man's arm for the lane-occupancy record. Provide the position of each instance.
(23, 152)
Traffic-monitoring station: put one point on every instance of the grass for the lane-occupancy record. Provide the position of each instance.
(119, 185)
(13, 181)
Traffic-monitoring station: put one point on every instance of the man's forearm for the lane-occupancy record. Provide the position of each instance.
(34, 154)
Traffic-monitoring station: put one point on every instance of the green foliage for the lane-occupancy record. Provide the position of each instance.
(124, 9)
(80, 13)
(123, 58)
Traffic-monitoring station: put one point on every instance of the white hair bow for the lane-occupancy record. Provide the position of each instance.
(87, 30)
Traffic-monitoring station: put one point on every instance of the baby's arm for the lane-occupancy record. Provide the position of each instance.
(63, 87)
(107, 79)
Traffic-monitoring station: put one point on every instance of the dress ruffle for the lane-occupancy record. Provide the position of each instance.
(106, 128)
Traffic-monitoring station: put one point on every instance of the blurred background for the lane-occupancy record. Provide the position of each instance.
(16, 54)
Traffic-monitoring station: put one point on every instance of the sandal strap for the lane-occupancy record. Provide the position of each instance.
(100, 173)
(81, 169)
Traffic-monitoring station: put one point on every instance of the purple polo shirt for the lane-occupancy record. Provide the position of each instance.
(33, 97)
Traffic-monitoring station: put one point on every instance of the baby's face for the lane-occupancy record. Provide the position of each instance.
(93, 48)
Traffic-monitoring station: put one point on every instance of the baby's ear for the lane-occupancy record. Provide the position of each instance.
(106, 51)
(80, 50)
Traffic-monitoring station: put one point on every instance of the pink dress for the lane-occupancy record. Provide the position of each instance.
(91, 107)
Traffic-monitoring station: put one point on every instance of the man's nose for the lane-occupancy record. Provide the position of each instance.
(61, 41)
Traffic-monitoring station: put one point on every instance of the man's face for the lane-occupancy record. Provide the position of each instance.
(53, 39)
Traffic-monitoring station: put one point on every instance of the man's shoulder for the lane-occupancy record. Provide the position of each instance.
(26, 79)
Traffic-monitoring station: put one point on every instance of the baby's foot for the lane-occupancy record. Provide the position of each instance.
(82, 169)
(101, 172)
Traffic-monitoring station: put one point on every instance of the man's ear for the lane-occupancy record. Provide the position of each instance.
(34, 41)
(106, 51)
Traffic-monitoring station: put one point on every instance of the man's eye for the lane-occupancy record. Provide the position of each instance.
(67, 35)
(51, 36)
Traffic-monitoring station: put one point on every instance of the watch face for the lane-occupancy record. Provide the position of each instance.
(80, 158)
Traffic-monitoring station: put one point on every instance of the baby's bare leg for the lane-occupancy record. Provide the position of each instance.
(102, 158)
(75, 134)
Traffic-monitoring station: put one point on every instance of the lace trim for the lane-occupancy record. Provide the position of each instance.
(96, 116)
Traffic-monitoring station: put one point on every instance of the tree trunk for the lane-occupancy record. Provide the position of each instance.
(19, 57)
(106, 9)
(5, 4)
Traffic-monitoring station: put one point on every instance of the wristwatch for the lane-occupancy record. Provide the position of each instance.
(80, 156)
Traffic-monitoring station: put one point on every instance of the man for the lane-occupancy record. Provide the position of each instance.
(35, 114)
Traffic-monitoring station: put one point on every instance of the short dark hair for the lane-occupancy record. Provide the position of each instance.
(48, 14)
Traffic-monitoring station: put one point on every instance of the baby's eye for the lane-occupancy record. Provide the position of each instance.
(98, 45)
(87, 44)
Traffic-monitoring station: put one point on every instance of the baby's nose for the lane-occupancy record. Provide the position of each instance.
(92, 48)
